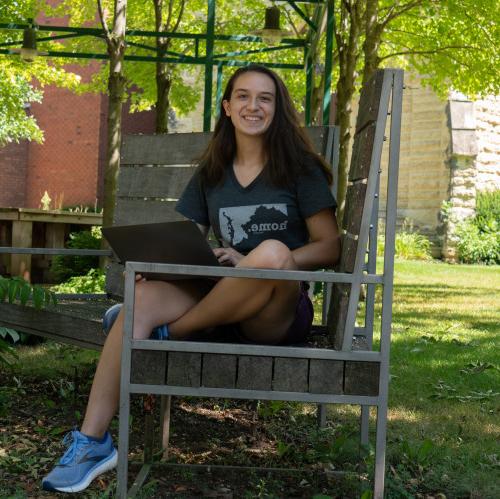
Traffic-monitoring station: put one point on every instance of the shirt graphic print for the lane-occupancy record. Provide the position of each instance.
(240, 223)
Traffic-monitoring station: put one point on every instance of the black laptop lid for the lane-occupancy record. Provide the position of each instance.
(165, 242)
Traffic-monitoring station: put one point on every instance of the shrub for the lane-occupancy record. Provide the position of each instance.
(478, 237)
(91, 282)
(64, 267)
(475, 245)
(409, 244)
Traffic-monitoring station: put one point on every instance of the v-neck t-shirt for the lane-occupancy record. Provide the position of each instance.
(243, 217)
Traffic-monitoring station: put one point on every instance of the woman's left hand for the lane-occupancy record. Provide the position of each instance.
(228, 257)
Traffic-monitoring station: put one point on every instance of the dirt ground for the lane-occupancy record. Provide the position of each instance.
(36, 413)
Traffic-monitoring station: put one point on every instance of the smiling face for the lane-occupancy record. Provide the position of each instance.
(252, 103)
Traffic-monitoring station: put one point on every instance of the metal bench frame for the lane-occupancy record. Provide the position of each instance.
(392, 85)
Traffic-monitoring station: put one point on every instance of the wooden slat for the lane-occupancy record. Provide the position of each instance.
(181, 148)
(138, 211)
(317, 135)
(77, 327)
(148, 366)
(369, 101)
(254, 373)
(361, 378)
(290, 375)
(362, 149)
(337, 314)
(326, 376)
(184, 369)
(355, 199)
(153, 181)
(169, 149)
(348, 253)
(219, 371)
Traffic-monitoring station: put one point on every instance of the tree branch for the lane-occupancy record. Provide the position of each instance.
(179, 17)
(393, 12)
(105, 28)
(423, 52)
(292, 24)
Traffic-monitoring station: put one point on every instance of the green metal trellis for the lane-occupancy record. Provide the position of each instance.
(323, 9)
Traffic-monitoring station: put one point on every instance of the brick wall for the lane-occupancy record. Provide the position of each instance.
(65, 165)
(13, 165)
(69, 165)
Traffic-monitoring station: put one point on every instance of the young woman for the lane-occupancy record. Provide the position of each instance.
(265, 193)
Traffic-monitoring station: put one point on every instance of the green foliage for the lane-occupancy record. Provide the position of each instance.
(64, 267)
(16, 289)
(7, 352)
(16, 77)
(409, 244)
(91, 282)
(478, 237)
(488, 211)
(475, 246)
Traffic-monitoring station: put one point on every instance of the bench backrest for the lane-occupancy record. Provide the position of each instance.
(361, 213)
(154, 171)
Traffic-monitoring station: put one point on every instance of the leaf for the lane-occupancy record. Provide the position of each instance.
(13, 290)
(25, 293)
(38, 296)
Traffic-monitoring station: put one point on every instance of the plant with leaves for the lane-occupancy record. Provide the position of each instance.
(17, 90)
(16, 289)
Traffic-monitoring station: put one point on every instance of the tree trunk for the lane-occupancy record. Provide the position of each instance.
(348, 36)
(116, 88)
(373, 31)
(163, 85)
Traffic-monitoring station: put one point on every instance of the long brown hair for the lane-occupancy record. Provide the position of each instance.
(289, 150)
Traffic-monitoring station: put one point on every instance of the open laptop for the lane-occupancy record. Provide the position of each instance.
(165, 242)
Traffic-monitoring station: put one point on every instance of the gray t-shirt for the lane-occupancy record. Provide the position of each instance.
(243, 217)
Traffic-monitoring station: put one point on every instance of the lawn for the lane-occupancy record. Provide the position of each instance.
(443, 432)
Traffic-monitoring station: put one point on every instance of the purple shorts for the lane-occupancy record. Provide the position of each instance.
(301, 325)
(304, 315)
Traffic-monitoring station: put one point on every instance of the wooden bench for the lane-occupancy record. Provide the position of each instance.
(153, 173)
(342, 374)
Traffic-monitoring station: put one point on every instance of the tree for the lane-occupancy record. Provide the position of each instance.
(453, 44)
(115, 41)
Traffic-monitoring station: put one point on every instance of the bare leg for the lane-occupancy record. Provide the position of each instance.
(265, 308)
(156, 303)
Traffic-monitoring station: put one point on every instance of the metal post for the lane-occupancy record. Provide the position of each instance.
(390, 230)
(309, 84)
(370, 302)
(123, 436)
(218, 93)
(328, 62)
(209, 52)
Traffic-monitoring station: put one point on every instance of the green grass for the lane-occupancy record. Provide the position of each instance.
(445, 368)
(443, 430)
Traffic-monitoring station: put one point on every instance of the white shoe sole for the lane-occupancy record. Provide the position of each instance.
(107, 465)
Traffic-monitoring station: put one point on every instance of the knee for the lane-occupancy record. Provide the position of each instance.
(142, 310)
(270, 254)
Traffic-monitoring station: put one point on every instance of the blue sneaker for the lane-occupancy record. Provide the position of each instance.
(84, 460)
(109, 318)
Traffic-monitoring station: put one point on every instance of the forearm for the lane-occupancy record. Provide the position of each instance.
(317, 254)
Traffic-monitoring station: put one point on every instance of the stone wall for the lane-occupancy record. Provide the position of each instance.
(487, 117)
(450, 150)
